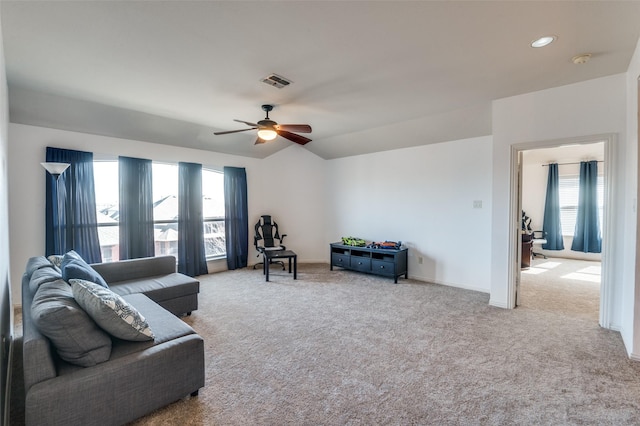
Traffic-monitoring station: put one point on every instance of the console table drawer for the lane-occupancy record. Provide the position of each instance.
(341, 260)
(383, 268)
(361, 263)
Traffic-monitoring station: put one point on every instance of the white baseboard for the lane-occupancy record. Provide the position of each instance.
(448, 284)
(502, 305)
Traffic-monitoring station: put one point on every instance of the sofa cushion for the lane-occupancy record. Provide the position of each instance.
(75, 336)
(159, 288)
(111, 311)
(35, 263)
(73, 266)
(135, 269)
(41, 276)
(166, 326)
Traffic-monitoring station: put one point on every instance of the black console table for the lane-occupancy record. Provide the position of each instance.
(386, 262)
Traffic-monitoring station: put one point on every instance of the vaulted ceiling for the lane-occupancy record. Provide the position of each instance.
(368, 76)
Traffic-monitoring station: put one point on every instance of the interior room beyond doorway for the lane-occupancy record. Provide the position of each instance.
(561, 280)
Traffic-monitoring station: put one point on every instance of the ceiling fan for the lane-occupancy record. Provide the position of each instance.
(269, 129)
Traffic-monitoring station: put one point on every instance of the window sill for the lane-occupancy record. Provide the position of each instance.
(219, 257)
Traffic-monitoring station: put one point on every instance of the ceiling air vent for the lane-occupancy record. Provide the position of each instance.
(277, 81)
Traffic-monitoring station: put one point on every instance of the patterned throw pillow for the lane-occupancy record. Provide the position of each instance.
(110, 311)
(56, 260)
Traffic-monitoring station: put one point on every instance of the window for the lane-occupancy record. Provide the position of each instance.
(107, 208)
(569, 187)
(165, 209)
(213, 212)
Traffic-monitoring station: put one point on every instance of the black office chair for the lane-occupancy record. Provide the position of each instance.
(268, 238)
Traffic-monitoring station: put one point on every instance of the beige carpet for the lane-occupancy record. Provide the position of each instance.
(343, 348)
(567, 286)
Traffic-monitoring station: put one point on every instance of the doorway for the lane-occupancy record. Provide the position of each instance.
(530, 165)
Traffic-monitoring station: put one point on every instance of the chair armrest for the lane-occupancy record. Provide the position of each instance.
(539, 235)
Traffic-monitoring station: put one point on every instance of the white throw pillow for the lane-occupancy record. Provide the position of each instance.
(110, 311)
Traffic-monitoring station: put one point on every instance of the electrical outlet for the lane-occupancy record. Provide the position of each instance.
(477, 204)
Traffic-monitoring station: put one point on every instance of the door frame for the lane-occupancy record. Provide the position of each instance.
(515, 200)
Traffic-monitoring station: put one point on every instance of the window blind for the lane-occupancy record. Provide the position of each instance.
(569, 189)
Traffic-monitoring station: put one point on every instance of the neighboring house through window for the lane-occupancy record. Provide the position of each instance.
(165, 209)
(105, 174)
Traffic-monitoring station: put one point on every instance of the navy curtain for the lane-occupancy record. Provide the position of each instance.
(136, 208)
(70, 221)
(587, 236)
(551, 221)
(192, 258)
(236, 217)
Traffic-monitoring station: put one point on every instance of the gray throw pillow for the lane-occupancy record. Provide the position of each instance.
(111, 311)
(75, 336)
(73, 266)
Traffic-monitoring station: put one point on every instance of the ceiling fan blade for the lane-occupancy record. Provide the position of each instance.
(233, 131)
(293, 137)
(246, 122)
(300, 128)
(259, 141)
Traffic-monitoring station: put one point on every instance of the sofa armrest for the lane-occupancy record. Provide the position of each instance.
(133, 269)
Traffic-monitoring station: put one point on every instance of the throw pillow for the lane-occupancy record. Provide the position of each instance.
(75, 336)
(73, 266)
(56, 260)
(111, 311)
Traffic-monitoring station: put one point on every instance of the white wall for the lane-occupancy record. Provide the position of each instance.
(588, 108)
(293, 191)
(6, 313)
(4, 163)
(266, 193)
(631, 291)
(424, 197)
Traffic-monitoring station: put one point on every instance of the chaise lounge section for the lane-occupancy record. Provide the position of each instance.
(156, 278)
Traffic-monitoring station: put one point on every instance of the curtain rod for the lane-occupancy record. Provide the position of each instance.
(564, 164)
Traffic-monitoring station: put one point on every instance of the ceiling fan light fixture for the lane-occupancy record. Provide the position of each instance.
(268, 129)
(267, 134)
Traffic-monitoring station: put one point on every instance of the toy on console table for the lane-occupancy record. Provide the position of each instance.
(352, 241)
(391, 245)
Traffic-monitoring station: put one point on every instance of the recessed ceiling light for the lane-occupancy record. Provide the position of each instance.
(543, 41)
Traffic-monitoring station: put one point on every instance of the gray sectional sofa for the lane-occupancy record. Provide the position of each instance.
(108, 381)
